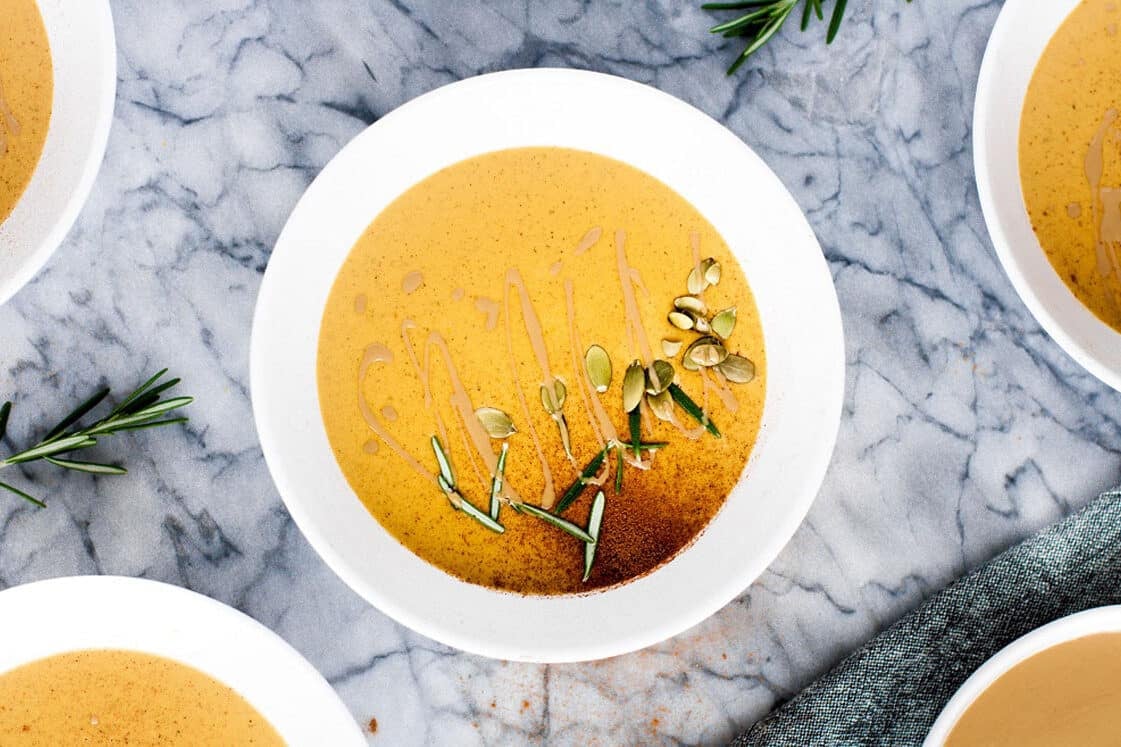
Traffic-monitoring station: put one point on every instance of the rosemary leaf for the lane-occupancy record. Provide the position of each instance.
(595, 520)
(136, 393)
(149, 424)
(23, 495)
(576, 488)
(835, 21)
(557, 521)
(77, 414)
(70, 443)
(686, 403)
(5, 411)
(634, 419)
(496, 482)
(619, 471)
(444, 462)
(93, 468)
(481, 517)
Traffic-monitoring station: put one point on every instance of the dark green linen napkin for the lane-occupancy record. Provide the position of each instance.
(891, 691)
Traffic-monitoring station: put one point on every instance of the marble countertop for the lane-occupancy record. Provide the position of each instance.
(965, 427)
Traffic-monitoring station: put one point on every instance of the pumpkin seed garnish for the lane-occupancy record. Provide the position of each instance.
(686, 403)
(679, 320)
(595, 521)
(706, 352)
(671, 347)
(712, 271)
(598, 365)
(661, 404)
(552, 399)
(496, 423)
(692, 304)
(688, 364)
(659, 376)
(696, 282)
(737, 369)
(701, 325)
(634, 384)
(724, 322)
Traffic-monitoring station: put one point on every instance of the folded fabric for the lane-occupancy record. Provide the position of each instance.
(891, 691)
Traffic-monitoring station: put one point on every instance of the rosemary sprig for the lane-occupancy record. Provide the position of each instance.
(140, 409)
(446, 480)
(595, 520)
(619, 470)
(686, 403)
(764, 18)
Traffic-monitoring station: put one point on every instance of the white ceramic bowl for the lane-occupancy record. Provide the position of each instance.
(711, 168)
(83, 612)
(84, 55)
(1018, 40)
(1099, 620)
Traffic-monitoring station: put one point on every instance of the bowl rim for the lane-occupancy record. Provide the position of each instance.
(1019, 36)
(825, 401)
(146, 616)
(77, 183)
(1072, 627)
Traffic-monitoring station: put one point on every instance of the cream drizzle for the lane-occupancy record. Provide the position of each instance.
(604, 429)
(378, 353)
(556, 268)
(537, 342)
(490, 308)
(719, 385)
(1095, 168)
(589, 240)
(371, 446)
(360, 303)
(636, 332)
(458, 294)
(389, 412)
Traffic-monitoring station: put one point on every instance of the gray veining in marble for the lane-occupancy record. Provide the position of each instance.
(965, 427)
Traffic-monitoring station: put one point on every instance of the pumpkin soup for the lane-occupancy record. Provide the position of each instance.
(26, 89)
(108, 697)
(1069, 694)
(1070, 156)
(541, 370)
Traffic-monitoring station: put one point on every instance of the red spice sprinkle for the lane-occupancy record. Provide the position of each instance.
(373, 726)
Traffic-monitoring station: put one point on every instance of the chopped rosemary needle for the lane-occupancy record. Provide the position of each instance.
(634, 418)
(576, 488)
(556, 521)
(686, 403)
(595, 520)
(496, 483)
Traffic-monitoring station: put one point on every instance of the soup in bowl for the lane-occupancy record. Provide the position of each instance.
(537, 385)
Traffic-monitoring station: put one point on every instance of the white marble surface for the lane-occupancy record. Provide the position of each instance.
(965, 427)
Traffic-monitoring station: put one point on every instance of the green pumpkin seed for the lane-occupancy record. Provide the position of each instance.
(661, 405)
(724, 322)
(679, 320)
(702, 325)
(706, 352)
(598, 365)
(561, 392)
(691, 304)
(696, 282)
(634, 384)
(711, 270)
(671, 347)
(548, 400)
(659, 376)
(737, 369)
(688, 364)
(496, 423)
